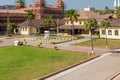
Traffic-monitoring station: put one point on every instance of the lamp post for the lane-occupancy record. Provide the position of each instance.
(57, 25)
(8, 21)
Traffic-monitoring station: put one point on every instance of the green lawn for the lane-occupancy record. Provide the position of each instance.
(100, 43)
(26, 63)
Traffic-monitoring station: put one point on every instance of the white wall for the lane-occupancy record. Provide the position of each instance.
(79, 22)
(112, 36)
(27, 30)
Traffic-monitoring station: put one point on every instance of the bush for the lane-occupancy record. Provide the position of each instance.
(20, 43)
(39, 45)
(79, 37)
(55, 47)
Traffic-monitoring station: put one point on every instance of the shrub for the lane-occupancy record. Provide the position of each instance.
(20, 43)
(55, 47)
(39, 45)
(79, 37)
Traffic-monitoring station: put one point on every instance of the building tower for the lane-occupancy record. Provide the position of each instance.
(20, 4)
(41, 7)
(60, 4)
(40, 3)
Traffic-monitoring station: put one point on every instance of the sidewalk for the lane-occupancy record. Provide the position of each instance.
(101, 68)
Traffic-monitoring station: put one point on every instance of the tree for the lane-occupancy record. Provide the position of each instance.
(108, 11)
(73, 16)
(8, 31)
(89, 25)
(12, 27)
(48, 21)
(105, 24)
(118, 12)
(30, 17)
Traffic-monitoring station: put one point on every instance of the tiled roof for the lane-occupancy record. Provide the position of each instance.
(106, 16)
(88, 15)
(12, 11)
(36, 23)
(115, 22)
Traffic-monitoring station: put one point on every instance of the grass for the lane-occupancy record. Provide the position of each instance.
(101, 43)
(26, 63)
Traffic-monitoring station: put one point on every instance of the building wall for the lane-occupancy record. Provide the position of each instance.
(13, 18)
(110, 33)
(27, 30)
(79, 22)
(42, 11)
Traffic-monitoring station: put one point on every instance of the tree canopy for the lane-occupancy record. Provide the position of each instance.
(30, 15)
(105, 24)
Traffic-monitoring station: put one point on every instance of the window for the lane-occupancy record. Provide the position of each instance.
(116, 32)
(103, 32)
(109, 32)
(37, 30)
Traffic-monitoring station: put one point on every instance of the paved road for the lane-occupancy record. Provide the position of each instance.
(102, 68)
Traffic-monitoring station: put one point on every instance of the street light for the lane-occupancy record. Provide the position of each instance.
(8, 21)
(57, 25)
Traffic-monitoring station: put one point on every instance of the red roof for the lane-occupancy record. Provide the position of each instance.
(12, 11)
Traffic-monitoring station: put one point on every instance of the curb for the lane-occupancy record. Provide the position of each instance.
(54, 73)
(115, 76)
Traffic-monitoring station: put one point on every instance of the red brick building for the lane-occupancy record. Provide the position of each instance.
(42, 10)
(15, 16)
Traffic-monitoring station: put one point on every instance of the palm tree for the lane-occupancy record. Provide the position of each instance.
(105, 24)
(117, 11)
(30, 17)
(48, 21)
(89, 25)
(73, 16)
(12, 27)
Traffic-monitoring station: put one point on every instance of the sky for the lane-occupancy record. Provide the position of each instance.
(72, 4)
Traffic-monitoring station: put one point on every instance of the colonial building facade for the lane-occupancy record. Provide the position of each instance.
(113, 31)
(14, 16)
(42, 10)
(79, 25)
